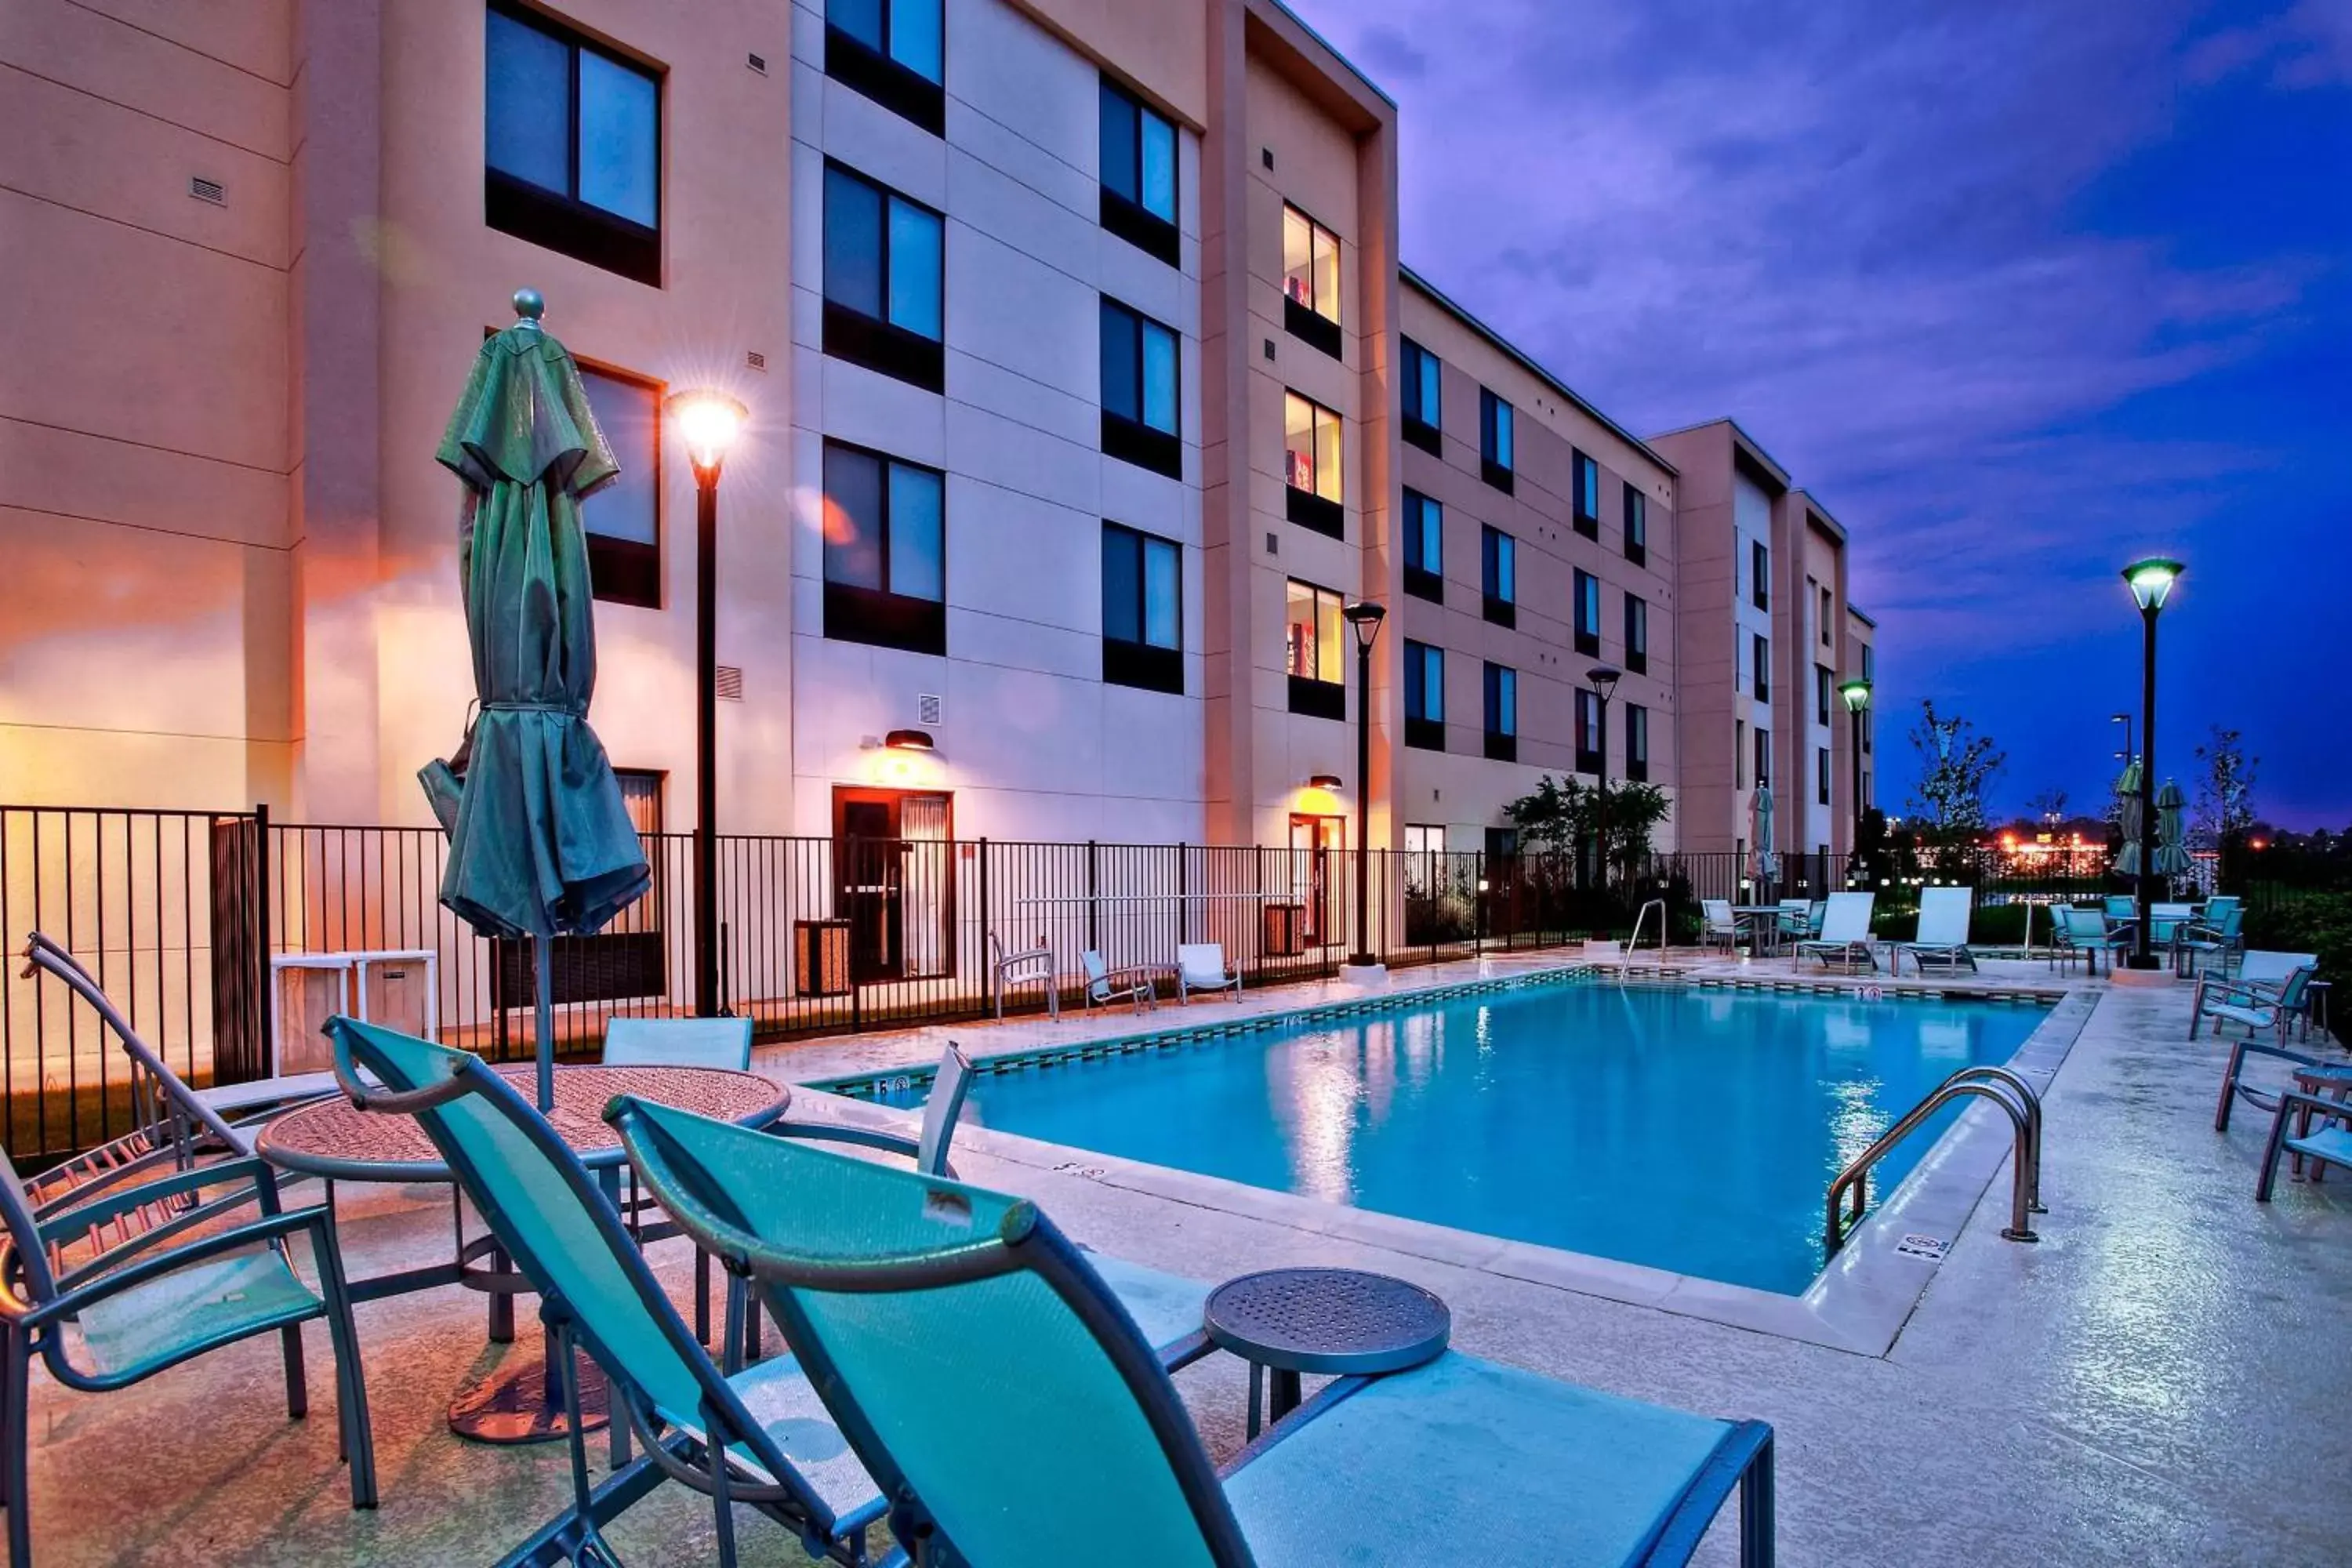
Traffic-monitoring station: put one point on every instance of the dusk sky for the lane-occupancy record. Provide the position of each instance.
(2021, 294)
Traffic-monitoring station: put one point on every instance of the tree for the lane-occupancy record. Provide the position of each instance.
(2047, 807)
(1563, 814)
(1956, 762)
(2225, 797)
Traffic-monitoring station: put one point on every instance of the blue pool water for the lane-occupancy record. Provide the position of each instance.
(1694, 1129)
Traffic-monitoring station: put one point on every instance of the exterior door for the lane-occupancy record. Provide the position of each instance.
(1314, 840)
(893, 882)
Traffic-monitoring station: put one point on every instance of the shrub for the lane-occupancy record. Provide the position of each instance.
(2309, 922)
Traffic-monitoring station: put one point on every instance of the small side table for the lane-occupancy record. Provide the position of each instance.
(2314, 1009)
(1336, 1321)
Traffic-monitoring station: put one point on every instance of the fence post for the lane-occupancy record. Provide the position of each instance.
(1183, 900)
(990, 992)
(1093, 897)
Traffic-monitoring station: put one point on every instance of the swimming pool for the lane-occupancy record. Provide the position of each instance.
(1694, 1130)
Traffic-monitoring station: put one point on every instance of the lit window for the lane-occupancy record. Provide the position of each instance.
(1588, 613)
(1311, 465)
(1587, 476)
(1143, 609)
(1310, 281)
(1314, 651)
(572, 143)
(885, 556)
(889, 51)
(623, 519)
(1138, 174)
(882, 289)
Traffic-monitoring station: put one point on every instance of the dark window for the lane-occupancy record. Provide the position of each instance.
(1586, 476)
(1763, 759)
(1822, 774)
(1762, 669)
(1637, 525)
(1138, 174)
(1637, 742)
(889, 51)
(1821, 681)
(1423, 404)
(1587, 730)
(1498, 575)
(1139, 390)
(1425, 697)
(1310, 281)
(1637, 634)
(573, 143)
(1826, 616)
(623, 520)
(1502, 714)
(882, 297)
(1143, 609)
(1315, 651)
(1759, 575)
(1424, 547)
(1311, 465)
(885, 556)
(1495, 444)
(1588, 613)
(1739, 753)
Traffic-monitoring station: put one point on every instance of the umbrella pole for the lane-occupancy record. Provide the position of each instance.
(543, 960)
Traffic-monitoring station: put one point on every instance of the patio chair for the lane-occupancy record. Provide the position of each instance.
(2330, 1143)
(1201, 966)
(1130, 983)
(2212, 934)
(1030, 965)
(2255, 1005)
(2335, 1076)
(1846, 939)
(139, 1306)
(2080, 933)
(2120, 907)
(677, 1042)
(1942, 939)
(912, 1300)
(1719, 927)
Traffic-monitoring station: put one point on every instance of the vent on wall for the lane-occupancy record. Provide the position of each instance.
(755, 358)
(729, 679)
(927, 708)
(205, 190)
(757, 62)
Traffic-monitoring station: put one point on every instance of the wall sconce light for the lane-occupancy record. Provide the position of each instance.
(908, 740)
(1324, 781)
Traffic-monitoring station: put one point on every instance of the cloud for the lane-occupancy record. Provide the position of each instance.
(2308, 45)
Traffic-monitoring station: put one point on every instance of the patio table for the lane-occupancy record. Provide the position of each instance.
(336, 1141)
(1763, 923)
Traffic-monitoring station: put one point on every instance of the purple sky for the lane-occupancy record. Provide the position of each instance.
(2020, 292)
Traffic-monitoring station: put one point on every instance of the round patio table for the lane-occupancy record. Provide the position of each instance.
(1341, 1321)
(335, 1140)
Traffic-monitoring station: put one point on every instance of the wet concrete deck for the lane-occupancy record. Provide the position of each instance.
(2162, 1379)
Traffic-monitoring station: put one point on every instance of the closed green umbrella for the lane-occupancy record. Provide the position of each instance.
(541, 844)
(2171, 831)
(2129, 818)
(1768, 858)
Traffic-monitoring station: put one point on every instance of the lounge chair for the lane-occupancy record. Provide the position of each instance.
(1130, 983)
(1031, 964)
(1719, 927)
(679, 1042)
(2258, 1006)
(97, 1260)
(2314, 1073)
(1201, 966)
(1942, 939)
(2330, 1143)
(1846, 939)
(986, 1375)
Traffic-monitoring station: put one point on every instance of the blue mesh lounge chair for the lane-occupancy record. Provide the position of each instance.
(1845, 933)
(2328, 1143)
(913, 1299)
(678, 1042)
(1105, 985)
(1942, 941)
(2214, 938)
(141, 1306)
(2265, 1003)
(2328, 1076)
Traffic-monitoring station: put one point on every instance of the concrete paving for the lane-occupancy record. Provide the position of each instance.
(2162, 1379)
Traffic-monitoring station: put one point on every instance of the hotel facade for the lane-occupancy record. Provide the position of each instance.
(1087, 389)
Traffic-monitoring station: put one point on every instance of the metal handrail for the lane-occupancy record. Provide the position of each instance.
(1996, 1084)
(1634, 941)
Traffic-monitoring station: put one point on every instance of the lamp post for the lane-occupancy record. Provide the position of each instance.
(707, 422)
(2124, 719)
(1602, 679)
(2151, 583)
(1855, 695)
(1365, 617)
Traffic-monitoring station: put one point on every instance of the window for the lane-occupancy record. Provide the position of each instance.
(889, 51)
(1637, 742)
(1822, 679)
(1143, 610)
(1315, 650)
(885, 557)
(1422, 403)
(1763, 759)
(1588, 613)
(1587, 730)
(1821, 774)
(1310, 464)
(1495, 443)
(1424, 860)
(1762, 671)
(1760, 574)
(1739, 753)
(1498, 575)
(1502, 714)
(623, 520)
(882, 280)
(1637, 526)
(1637, 634)
(1425, 548)
(573, 145)
(1139, 390)
(1826, 602)
(1869, 715)
(1138, 174)
(1425, 697)
(1587, 474)
(1310, 281)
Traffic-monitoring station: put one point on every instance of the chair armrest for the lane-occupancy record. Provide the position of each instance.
(81, 1217)
(1145, 972)
(2318, 1105)
(845, 1133)
(82, 1291)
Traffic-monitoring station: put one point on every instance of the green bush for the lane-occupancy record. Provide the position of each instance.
(2309, 922)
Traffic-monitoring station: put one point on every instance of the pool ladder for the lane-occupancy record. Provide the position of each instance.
(1634, 941)
(2016, 1098)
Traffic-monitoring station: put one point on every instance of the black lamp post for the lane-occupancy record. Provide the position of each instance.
(1365, 617)
(2151, 583)
(1602, 679)
(1855, 694)
(707, 422)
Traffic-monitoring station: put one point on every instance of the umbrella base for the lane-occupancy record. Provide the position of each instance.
(523, 1402)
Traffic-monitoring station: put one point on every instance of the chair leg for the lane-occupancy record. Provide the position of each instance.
(701, 1296)
(16, 1376)
(297, 1390)
(1756, 1522)
(2229, 1087)
(2271, 1153)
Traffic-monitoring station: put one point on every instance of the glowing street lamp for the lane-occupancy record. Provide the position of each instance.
(1603, 680)
(2151, 583)
(707, 423)
(1855, 695)
(1365, 617)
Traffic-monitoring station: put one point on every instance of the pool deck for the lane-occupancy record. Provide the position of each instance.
(2152, 1382)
